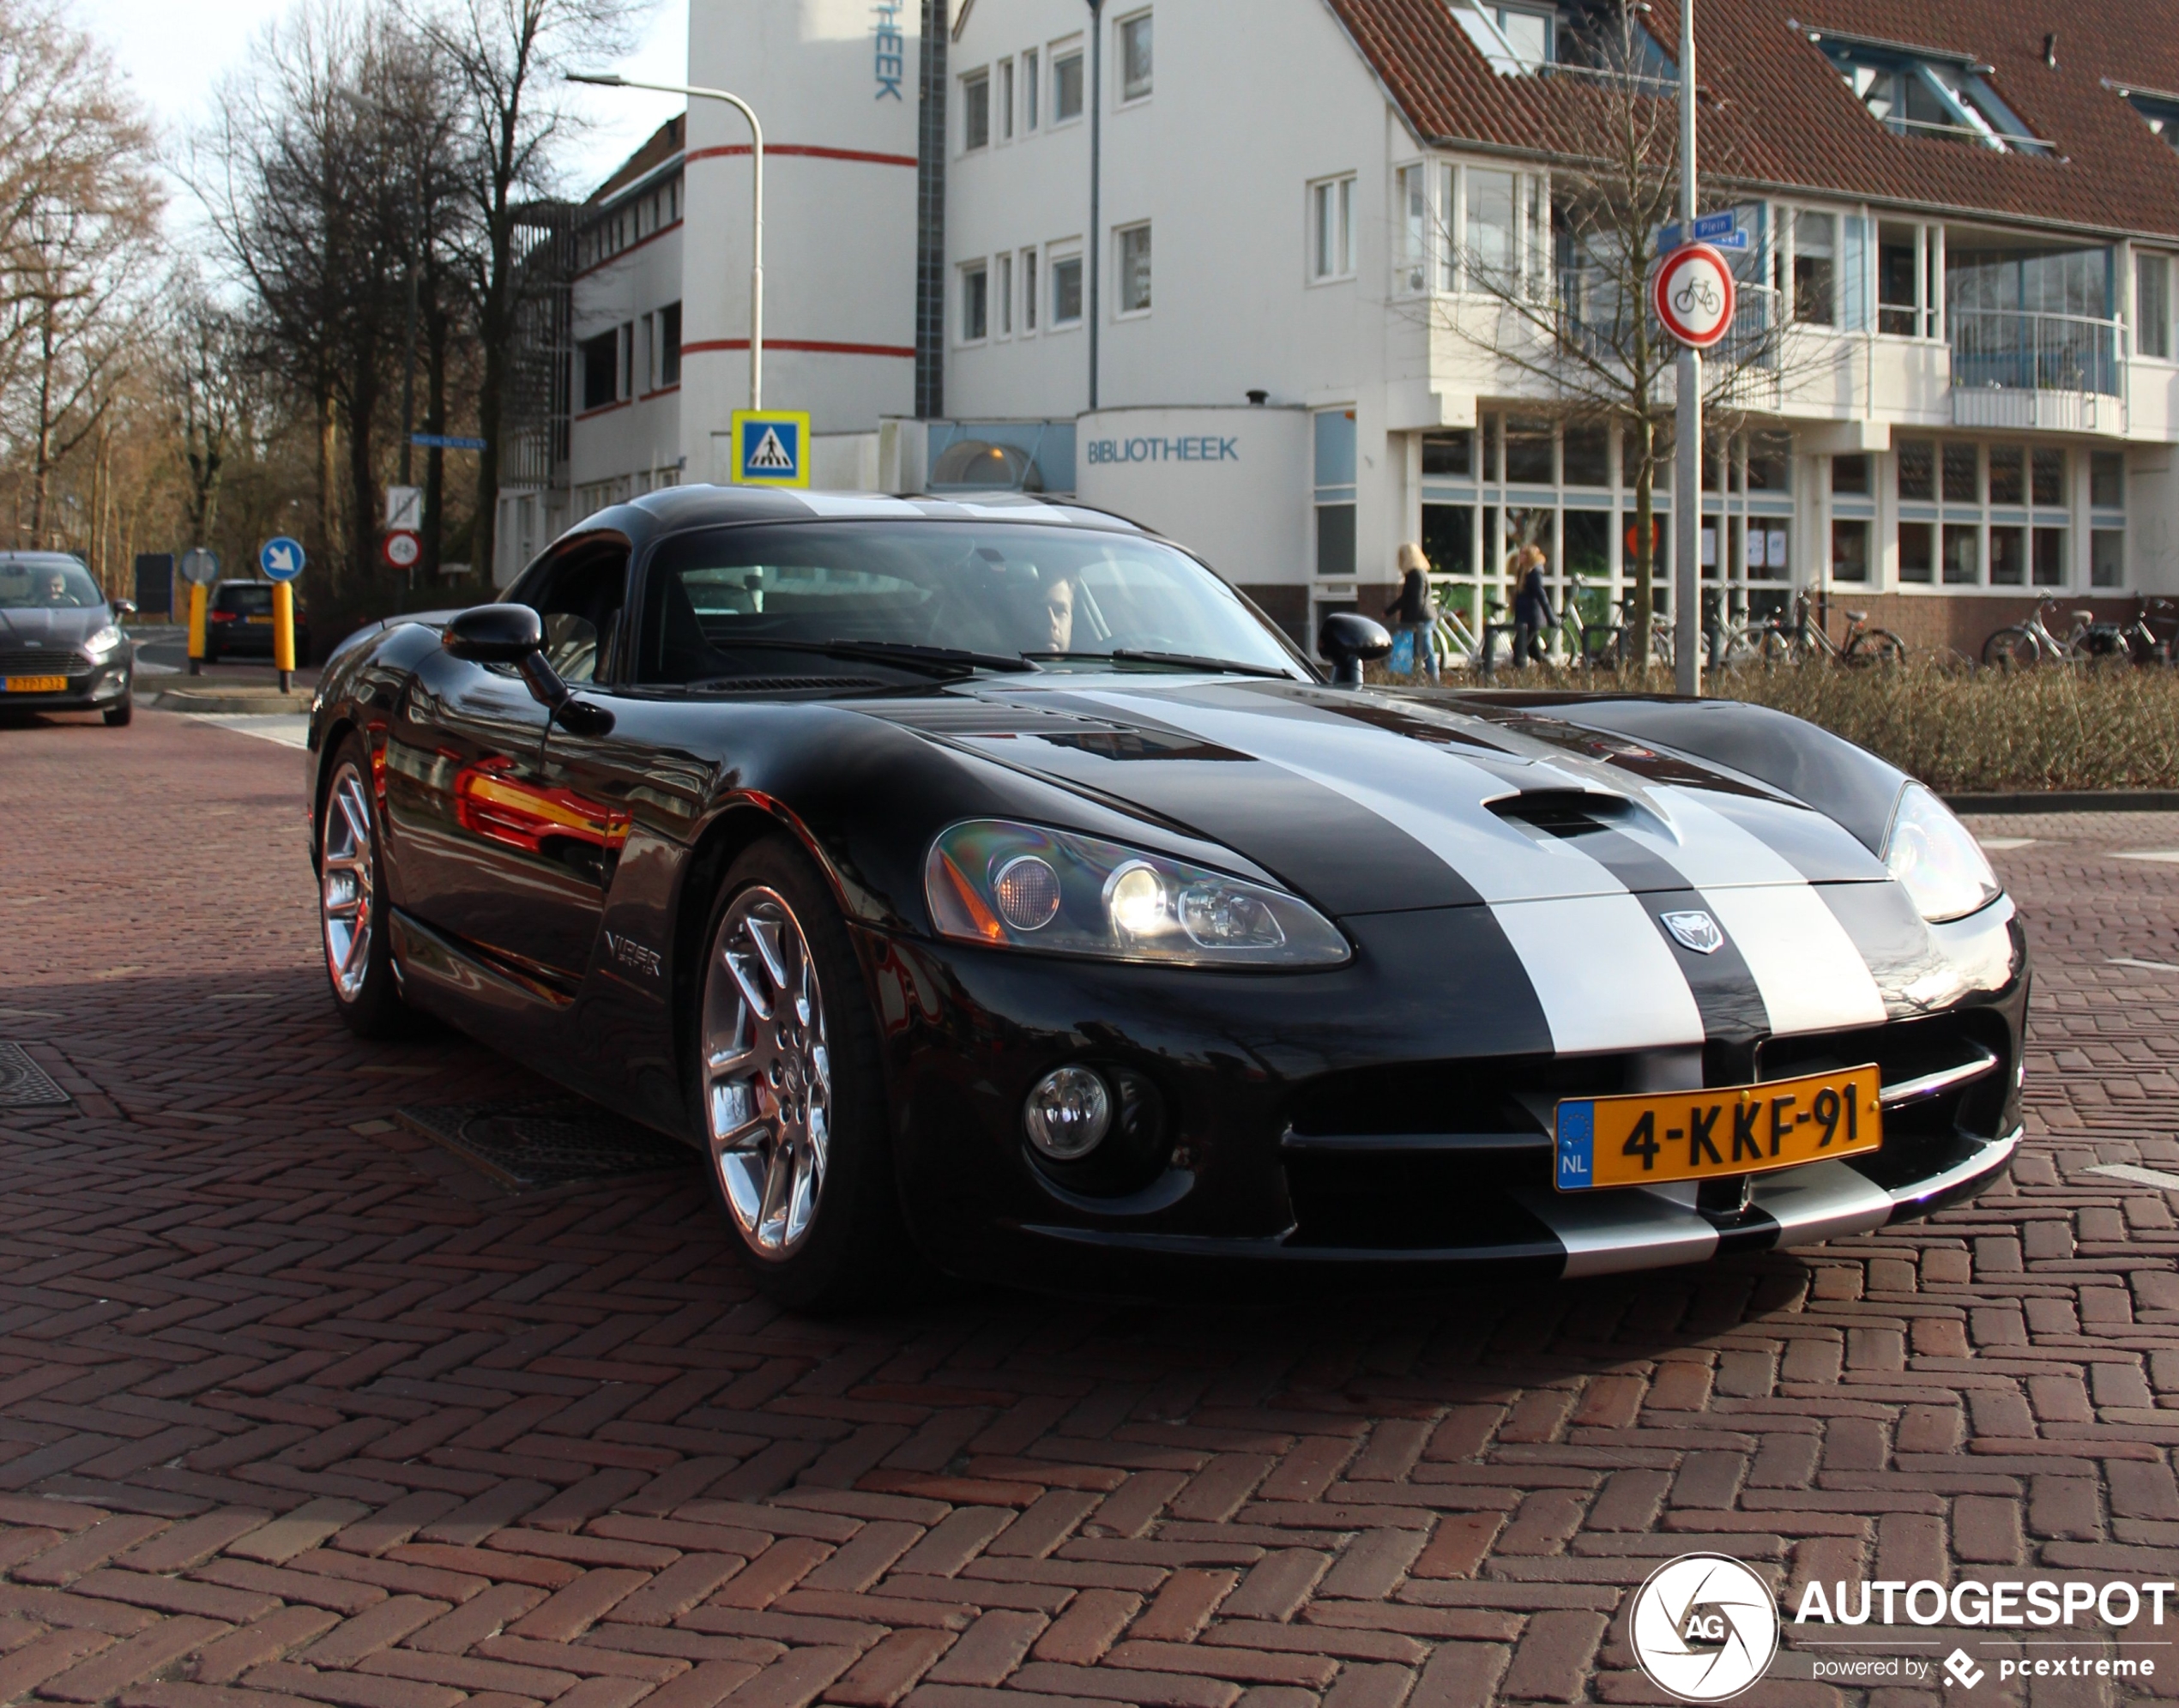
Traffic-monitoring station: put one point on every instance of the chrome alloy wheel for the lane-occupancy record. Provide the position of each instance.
(348, 886)
(767, 1072)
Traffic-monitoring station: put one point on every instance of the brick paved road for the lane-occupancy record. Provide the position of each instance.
(293, 1409)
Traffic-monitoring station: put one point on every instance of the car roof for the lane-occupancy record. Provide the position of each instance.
(678, 507)
(41, 559)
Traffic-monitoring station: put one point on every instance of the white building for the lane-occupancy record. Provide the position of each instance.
(1976, 233)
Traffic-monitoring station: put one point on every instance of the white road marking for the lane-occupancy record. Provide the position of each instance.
(2000, 844)
(290, 729)
(2131, 960)
(2163, 856)
(2135, 1175)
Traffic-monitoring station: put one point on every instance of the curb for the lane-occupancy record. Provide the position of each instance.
(270, 702)
(2076, 800)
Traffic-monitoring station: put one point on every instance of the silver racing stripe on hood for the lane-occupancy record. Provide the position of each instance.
(1603, 974)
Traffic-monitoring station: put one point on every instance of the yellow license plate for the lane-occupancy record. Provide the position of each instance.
(37, 685)
(1657, 1136)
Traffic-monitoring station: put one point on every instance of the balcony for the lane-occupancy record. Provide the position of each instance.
(2014, 369)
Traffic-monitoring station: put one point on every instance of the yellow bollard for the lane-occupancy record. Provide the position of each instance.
(197, 601)
(284, 633)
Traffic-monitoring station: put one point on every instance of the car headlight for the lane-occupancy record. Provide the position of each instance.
(104, 641)
(1022, 887)
(1934, 857)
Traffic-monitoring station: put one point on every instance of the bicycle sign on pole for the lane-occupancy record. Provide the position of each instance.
(1694, 295)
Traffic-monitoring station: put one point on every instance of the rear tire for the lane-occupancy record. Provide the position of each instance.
(2013, 648)
(790, 1088)
(1876, 647)
(117, 716)
(352, 902)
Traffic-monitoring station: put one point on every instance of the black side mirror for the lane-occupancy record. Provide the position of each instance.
(1348, 639)
(496, 634)
(125, 607)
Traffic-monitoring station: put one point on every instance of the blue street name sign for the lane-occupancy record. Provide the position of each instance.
(1719, 231)
(446, 442)
(282, 558)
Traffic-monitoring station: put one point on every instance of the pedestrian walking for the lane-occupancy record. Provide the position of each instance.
(1414, 611)
(1532, 615)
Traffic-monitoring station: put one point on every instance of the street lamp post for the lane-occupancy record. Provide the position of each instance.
(1687, 499)
(608, 80)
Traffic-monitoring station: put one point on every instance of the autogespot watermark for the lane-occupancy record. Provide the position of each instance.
(1705, 1627)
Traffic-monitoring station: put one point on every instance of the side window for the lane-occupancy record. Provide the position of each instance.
(580, 598)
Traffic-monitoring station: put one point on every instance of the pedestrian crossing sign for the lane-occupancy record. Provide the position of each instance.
(771, 448)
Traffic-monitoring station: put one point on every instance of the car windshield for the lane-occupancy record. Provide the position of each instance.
(733, 601)
(247, 597)
(52, 586)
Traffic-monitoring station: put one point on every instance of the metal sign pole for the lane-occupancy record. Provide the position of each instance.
(1687, 498)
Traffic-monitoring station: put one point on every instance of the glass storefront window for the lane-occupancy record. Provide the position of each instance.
(1528, 460)
(1449, 454)
(1963, 554)
(1770, 462)
(2049, 568)
(2107, 558)
(1587, 454)
(1917, 551)
(1848, 549)
(2008, 558)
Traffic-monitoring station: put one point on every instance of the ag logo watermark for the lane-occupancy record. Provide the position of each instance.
(1704, 1627)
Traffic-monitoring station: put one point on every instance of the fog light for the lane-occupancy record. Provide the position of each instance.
(1068, 1113)
(1027, 892)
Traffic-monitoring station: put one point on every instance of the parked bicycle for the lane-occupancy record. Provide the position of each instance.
(2143, 643)
(2023, 646)
(1798, 638)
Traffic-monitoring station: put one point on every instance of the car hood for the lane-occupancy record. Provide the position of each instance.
(1374, 801)
(69, 627)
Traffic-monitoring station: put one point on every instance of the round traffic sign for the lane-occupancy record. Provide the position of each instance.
(401, 548)
(200, 567)
(282, 558)
(1693, 296)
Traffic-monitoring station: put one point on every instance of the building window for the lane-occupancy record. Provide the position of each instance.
(1030, 61)
(1934, 94)
(2107, 558)
(1815, 269)
(975, 303)
(1335, 491)
(1133, 244)
(601, 370)
(1005, 100)
(2008, 557)
(1963, 474)
(1902, 301)
(1917, 551)
(1006, 294)
(1411, 229)
(1066, 290)
(2049, 563)
(1770, 463)
(2152, 306)
(2008, 479)
(1585, 455)
(1917, 466)
(1963, 554)
(1135, 57)
(1848, 549)
(976, 111)
(1449, 454)
(1849, 475)
(2106, 479)
(1489, 243)
(1332, 229)
(2050, 478)
(669, 345)
(1028, 291)
(1066, 85)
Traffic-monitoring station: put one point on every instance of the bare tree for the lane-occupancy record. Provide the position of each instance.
(508, 55)
(1571, 313)
(208, 377)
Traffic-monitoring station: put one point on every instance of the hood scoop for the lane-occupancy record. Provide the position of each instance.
(1566, 812)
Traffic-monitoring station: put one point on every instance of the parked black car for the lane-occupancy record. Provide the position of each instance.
(993, 878)
(238, 622)
(62, 647)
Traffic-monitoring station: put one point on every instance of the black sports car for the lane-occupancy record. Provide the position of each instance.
(994, 881)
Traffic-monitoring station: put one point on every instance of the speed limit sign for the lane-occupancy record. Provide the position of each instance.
(1694, 293)
(403, 546)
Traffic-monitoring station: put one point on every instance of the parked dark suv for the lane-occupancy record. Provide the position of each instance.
(239, 623)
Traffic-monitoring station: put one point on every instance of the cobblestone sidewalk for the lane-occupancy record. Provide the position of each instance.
(294, 1409)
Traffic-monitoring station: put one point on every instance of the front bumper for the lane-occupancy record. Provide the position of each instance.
(88, 690)
(1318, 1124)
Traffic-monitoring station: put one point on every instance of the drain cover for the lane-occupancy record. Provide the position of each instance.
(555, 1142)
(23, 1083)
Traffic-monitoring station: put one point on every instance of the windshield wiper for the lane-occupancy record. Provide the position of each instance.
(910, 654)
(1173, 660)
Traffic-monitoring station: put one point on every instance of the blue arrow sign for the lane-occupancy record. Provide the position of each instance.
(282, 558)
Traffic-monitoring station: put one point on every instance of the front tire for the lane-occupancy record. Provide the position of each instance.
(791, 1090)
(358, 954)
(117, 716)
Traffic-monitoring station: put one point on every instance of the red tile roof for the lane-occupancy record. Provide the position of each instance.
(1785, 119)
(664, 144)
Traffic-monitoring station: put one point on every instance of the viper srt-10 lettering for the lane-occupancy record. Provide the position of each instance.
(990, 886)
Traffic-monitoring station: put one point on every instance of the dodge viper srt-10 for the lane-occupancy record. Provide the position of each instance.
(991, 882)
